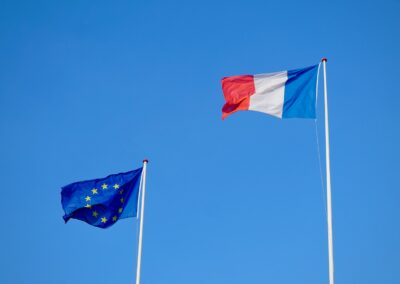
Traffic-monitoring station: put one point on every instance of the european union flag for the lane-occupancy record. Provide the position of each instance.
(102, 202)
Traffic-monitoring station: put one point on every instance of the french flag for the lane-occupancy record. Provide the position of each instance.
(286, 94)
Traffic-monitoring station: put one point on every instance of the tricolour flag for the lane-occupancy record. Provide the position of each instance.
(286, 94)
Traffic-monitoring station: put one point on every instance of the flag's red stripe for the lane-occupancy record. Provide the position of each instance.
(237, 91)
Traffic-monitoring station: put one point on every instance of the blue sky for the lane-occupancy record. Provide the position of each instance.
(91, 88)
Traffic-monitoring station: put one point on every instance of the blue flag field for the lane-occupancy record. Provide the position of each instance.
(102, 202)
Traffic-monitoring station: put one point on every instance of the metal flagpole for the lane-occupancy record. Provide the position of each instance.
(139, 255)
(328, 179)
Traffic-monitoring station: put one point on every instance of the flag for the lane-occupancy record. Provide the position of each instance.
(102, 202)
(286, 94)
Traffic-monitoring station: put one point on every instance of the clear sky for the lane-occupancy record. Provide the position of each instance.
(90, 88)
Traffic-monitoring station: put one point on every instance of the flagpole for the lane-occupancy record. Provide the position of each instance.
(139, 255)
(328, 180)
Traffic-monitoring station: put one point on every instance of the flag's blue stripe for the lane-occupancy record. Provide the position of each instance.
(300, 93)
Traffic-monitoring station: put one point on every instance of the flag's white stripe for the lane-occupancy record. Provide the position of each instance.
(269, 93)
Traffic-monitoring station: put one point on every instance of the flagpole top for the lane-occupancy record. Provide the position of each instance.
(145, 161)
(324, 59)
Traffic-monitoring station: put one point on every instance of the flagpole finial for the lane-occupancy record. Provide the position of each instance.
(145, 161)
(324, 59)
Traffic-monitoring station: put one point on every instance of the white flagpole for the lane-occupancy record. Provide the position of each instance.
(139, 255)
(328, 179)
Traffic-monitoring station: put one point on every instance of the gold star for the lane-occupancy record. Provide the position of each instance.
(88, 206)
(120, 210)
(103, 220)
(95, 214)
(122, 191)
(94, 191)
(87, 198)
(104, 186)
(122, 200)
(115, 218)
(116, 186)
